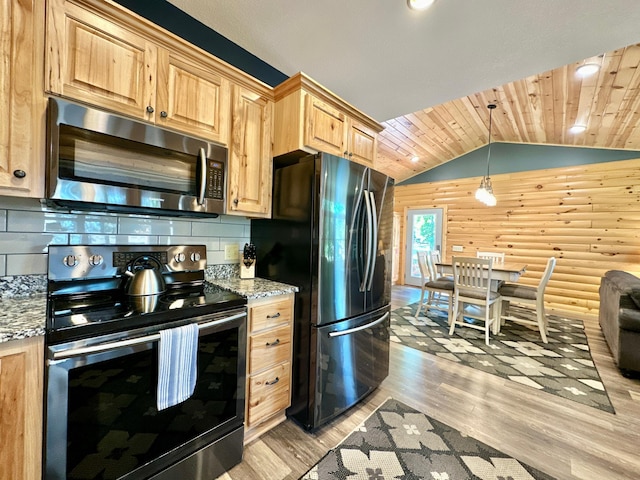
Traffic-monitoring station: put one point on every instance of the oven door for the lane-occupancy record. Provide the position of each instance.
(101, 161)
(101, 415)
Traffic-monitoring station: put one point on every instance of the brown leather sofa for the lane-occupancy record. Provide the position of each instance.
(619, 318)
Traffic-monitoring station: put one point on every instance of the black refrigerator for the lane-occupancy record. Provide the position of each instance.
(331, 235)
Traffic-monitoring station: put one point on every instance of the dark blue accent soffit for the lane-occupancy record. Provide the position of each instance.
(170, 17)
(518, 157)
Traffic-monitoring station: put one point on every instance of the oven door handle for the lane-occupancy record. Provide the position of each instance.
(154, 337)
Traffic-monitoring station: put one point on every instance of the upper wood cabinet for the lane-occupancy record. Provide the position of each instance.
(249, 166)
(309, 117)
(102, 54)
(22, 102)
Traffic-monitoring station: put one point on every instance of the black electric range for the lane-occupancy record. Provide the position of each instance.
(86, 300)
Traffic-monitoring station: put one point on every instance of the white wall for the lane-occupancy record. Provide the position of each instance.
(27, 228)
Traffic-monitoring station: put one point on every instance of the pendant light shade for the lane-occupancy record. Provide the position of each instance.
(484, 193)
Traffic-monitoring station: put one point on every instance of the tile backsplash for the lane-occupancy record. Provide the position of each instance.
(28, 227)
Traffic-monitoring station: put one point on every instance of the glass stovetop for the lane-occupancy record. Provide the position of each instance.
(85, 314)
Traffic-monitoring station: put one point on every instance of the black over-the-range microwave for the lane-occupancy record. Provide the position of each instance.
(101, 161)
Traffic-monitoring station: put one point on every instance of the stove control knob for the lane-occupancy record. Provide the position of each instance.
(70, 260)
(195, 257)
(95, 260)
(179, 257)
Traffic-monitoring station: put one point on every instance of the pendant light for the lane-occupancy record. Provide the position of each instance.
(485, 190)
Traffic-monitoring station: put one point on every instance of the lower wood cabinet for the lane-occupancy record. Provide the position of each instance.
(269, 349)
(21, 401)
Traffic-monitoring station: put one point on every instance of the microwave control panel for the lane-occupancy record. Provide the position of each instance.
(215, 180)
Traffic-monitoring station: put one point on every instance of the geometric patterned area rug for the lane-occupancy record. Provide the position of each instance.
(398, 442)
(562, 367)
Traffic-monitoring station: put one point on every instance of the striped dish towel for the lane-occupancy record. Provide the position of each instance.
(177, 365)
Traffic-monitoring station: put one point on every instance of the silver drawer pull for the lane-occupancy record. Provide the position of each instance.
(273, 344)
(274, 316)
(273, 382)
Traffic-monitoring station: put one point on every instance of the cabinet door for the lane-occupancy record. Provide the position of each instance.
(192, 99)
(269, 393)
(22, 102)
(325, 127)
(362, 144)
(21, 373)
(250, 173)
(92, 59)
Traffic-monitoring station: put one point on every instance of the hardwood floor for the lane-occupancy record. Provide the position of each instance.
(560, 437)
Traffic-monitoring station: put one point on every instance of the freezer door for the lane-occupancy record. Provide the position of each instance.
(353, 359)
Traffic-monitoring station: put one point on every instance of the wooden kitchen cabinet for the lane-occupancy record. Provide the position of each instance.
(102, 54)
(22, 101)
(269, 350)
(21, 406)
(309, 117)
(249, 166)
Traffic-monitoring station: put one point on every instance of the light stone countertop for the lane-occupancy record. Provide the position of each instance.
(25, 316)
(22, 317)
(254, 288)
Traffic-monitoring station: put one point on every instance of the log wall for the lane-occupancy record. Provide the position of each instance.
(587, 216)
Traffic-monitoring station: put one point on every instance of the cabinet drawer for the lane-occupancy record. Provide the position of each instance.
(269, 314)
(269, 393)
(269, 348)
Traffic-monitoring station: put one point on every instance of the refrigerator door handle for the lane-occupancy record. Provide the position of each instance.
(374, 240)
(361, 327)
(369, 247)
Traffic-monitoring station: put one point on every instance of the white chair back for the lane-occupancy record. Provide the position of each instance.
(472, 276)
(551, 264)
(433, 273)
(424, 268)
(497, 257)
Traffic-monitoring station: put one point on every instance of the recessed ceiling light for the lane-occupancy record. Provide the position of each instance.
(578, 128)
(587, 69)
(420, 4)
(415, 158)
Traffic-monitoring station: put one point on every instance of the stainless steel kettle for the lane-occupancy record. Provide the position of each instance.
(145, 276)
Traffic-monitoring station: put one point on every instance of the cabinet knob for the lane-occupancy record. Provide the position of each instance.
(150, 109)
(163, 114)
(235, 201)
(346, 153)
(19, 173)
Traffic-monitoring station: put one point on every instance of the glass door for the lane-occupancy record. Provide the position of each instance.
(424, 233)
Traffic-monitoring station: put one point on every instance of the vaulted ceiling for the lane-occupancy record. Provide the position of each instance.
(538, 109)
(428, 76)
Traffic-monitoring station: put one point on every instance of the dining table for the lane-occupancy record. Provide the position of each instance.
(500, 273)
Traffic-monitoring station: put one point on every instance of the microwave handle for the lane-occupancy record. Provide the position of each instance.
(202, 165)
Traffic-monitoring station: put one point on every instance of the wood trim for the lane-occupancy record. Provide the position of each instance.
(302, 81)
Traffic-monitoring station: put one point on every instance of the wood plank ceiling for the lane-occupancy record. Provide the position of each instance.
(539, 109)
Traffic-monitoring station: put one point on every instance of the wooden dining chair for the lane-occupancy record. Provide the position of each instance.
(522, 294)
(434, 286)
(472, 286)
(498, 257)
